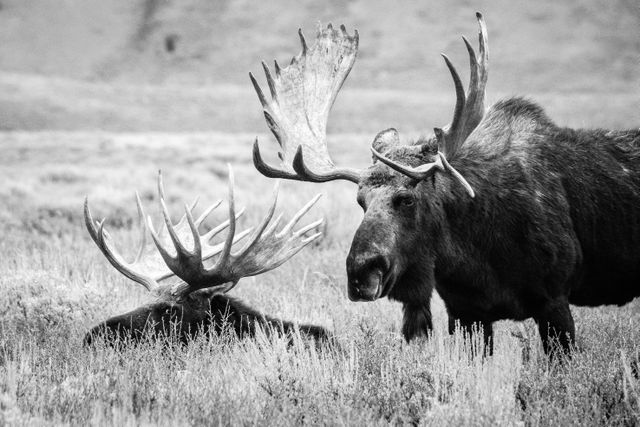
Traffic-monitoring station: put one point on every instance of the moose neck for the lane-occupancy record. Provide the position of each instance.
(459, 216)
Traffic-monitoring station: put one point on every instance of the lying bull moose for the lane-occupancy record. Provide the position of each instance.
(504, 213)
(198, 302)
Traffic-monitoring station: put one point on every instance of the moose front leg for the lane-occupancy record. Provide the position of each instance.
(556, 326)
(415, 292)
(416, 321)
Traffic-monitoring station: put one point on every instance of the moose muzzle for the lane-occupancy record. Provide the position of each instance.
(367, 277)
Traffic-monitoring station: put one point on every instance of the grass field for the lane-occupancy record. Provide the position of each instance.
(91, 103)
(56, 284)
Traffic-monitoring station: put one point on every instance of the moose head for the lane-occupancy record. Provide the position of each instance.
(205, 272)
(401, 193)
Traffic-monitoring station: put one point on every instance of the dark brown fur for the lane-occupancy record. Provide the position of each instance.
(555, 221)
(200, 312)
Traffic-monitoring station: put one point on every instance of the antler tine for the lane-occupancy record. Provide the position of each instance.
(197, 245)
(160, 185)
(473, 65)
(270, 82)
(183, 218)
(143, 233)
(98, 235)
(273, 225)
(296, 218)
(265, 222)
(177, 244)
(302, 95)
(207, 212)
(89, 222)
(215, 231)
(310, 239)
(303, 42)
(478, 69)
(226, 251)
(166, 256)
(305, 174)
(418, 173)
(481, 65)
(117, 261)
(483, 44)
(457, 175)
(309, 227)
(469, 108)
(258, 89)
(458, 110)
(267, 170)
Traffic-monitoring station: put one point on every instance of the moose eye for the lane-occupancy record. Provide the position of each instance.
(170, 310)
(404, 199)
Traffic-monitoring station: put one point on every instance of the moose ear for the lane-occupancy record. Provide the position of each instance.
(385, 140)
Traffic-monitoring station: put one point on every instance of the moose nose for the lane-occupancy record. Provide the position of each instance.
(366, 277)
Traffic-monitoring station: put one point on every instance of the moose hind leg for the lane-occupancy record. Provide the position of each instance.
(556, 326)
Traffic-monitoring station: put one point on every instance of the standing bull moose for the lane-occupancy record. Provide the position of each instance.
(504, 213)
(206, 271)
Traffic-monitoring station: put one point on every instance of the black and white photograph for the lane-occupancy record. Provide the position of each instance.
(342, 212)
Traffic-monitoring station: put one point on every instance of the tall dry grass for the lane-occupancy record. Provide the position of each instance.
(55, 285)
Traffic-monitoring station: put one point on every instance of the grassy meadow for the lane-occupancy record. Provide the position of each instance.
(56, 284)
(91, 103)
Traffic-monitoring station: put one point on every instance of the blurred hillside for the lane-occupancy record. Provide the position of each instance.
(182, 65)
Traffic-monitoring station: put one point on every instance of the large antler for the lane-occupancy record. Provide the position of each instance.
(468, 113)
(204, 265)
(469, 108)
(302, 95)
